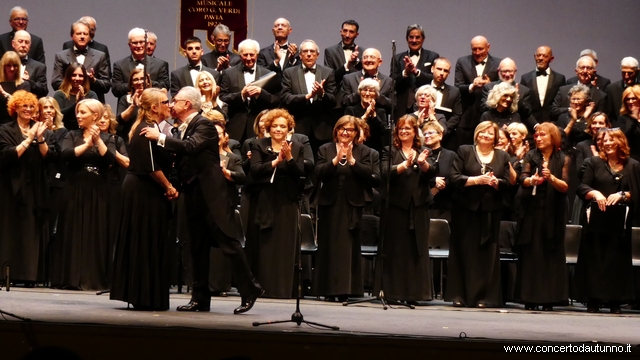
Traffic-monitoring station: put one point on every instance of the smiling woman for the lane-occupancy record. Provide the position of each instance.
(9, 73)
(74, 88)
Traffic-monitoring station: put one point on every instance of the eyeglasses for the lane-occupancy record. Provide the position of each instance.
(28, 107)
(21, 19)
(164, 102)
(406, 128)
(347, 130)
(136, 42)
(631, 99)
(175, 101)
(430, 133)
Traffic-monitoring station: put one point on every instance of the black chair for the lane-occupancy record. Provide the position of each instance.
(239, 228)
(369, 239)
(635, 246)
(439, 234)
(308, 245)
(507, 240)
(572, 236)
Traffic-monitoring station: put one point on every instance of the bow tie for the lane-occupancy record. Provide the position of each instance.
(306, 70)
(348, 47)
(247, 70)
(439, 88)
(481, 62)
(541, 73)
(194, 67)
(24, 60)
(138, 61)
(367, 76)
(414, 53)
(80, 52)
(283, 47)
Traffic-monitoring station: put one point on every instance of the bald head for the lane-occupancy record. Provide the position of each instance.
(480, 48)
(543, 57)
(371, 61)
(21, 43)
(281, 30)
(507, 70)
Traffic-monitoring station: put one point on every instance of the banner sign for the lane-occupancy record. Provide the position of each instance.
(207, 14)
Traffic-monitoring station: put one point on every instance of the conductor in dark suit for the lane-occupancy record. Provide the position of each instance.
(209, 205)
(92, 43)
(245, 101)
(629, 70)
(282, 54)
(186, 75)
(19, 20)
(344, 57)
(371, 61)
(221, 58)
(584, 71)
(472, 73)
(157, 69)
(94, 61)
(33, 72)
(448, 101)
(600, 82)
(544, 84)
(412, 69)
(308, 93)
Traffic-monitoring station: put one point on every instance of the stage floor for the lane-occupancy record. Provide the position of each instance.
(435, 320)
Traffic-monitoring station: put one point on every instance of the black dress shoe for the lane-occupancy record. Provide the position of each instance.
(530, 306)
(615, 309)
(593, 307)
(458, 304)
(193, 306)
(482, 305)
(248, 303)
(547, 308)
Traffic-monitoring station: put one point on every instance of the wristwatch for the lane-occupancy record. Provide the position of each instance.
(624, 195)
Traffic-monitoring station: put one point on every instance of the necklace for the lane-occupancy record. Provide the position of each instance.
(484, 153)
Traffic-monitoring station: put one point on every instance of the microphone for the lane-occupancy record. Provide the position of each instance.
(8, 285)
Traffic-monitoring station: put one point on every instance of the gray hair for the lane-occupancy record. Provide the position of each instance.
(580, 88)
(80, 22)
(191, 94)
(369, 83)
(586, 57)
(312, 42)
(429, 90)
(17, 8)
(629, 62)
(135, 31)
(221, 28)
(498, 91)
(590, 53)
(412, 27)
(249, 42)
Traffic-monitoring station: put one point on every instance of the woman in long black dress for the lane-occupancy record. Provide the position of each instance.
(480, 176)
(406, 273)
(141, 265)
(25, 147)
(83, 227)
(442, 160)
(542, 270)
(610, 187)
(276, 167)
(375, 117)
(503, 102)
(343, 170)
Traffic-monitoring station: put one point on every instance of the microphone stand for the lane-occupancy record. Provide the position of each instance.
(8, 287)
(297, 316)
(390, 127)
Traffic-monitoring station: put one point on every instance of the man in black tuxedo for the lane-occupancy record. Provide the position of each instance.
(186, 75)
(92, 43)
(282, 54)
(371, 61)
(411, 69)
(308, 93)
(507, 71)
(344, 57)
(152, 42)
(19, 20)
(585, 67)
(544, 84)
(245, 100)
(600, 82)
(629, 69)
(94, 61)
(472, 73)
(448, 101)
(208, 203)
(157, 69)
(33, 71)
(221, 58)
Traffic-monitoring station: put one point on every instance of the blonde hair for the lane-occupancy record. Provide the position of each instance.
(149, 97)
(57, 120)
(10, 58)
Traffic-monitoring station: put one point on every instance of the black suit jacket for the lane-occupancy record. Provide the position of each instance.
(464, 76)
(406, 85)
(452, 100)
(94, 45)
(614, 99)
(182, 77)
(376, 124)
(36, 52)
(411, 184)
(241, 113)
(157, 69)
(37, 77)
(542, 112)
(601, 82)
(443, 162)
(211, 59)
(267, 56)
(351, 96)
(524, 100)
(198, 163)
(354, 182)
(561, 102)
(334, 59)
(94, 59)
(311, 117)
